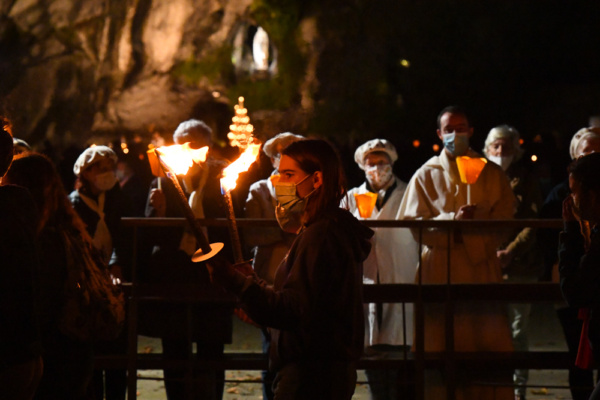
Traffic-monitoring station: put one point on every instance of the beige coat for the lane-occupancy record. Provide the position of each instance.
(436, 192)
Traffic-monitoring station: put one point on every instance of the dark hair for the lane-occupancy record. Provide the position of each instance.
(585, 170)
(318, 155)
(452, 110)
(38, 174)
(6, 151)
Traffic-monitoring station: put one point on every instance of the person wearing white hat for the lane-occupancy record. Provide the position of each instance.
(100, 203)
(393, 258)
(435, 192)
(269, 245)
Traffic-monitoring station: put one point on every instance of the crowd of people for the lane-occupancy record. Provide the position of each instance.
(303, 285)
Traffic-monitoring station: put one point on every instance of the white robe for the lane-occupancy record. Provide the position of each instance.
(436, 192)
(393, 259)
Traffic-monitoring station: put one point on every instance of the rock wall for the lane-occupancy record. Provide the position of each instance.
(83, 68)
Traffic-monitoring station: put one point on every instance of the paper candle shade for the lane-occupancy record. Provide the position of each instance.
(470, 168)
(365, 203)
(154, 164)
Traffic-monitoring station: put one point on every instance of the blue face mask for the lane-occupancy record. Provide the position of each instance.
(457, 143)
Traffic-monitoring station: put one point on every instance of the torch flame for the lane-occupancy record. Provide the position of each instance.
(178, 157)
(231, 173)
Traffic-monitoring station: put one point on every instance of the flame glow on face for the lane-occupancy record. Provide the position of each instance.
(231, 173)
(181, 157)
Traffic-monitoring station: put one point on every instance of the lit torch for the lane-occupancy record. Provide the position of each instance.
(228, 183)
(171, 161)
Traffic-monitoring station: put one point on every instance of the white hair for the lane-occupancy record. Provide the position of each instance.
(580, 136)
(504, 132)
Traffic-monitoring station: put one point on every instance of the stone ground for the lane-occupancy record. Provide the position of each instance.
(546, 334)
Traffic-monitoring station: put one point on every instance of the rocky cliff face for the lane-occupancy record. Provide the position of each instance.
(76, 69)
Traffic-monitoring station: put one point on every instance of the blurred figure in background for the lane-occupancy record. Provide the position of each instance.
(133, 182)
(68, 362)
(20, 146)
(269, 245)
(393, 259)
(101, 205)
(581, 381)
(519, 256)
(579, 254)
(21, 363)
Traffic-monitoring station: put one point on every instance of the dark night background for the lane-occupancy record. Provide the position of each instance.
(531, 64)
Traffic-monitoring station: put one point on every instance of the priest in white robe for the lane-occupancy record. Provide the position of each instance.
(435, 192)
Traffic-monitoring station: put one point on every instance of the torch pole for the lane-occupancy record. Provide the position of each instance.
(185, 207)
(233, 229)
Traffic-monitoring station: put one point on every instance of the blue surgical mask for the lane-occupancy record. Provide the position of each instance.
(290, 207)
(457, 143)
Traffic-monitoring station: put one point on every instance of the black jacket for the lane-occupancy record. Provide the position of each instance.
(315, 307)
(580, 276)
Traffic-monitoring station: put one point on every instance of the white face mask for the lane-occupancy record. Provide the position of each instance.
(503, 162)
(378, 175)
(105, 181)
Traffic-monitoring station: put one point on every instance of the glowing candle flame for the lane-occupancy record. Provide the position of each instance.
(232, 172)
(178, 157)
(470, 168)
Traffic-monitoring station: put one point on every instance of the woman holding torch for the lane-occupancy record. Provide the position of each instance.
(314, 308)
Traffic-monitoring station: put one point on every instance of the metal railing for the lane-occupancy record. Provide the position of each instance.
(418, 293)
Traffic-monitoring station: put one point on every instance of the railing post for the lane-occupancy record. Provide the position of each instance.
(450, 365)
(420, 328)
(132, 323)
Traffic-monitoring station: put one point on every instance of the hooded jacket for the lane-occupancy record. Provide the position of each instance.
(315, 306)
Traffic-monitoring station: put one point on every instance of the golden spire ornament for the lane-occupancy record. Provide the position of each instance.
(240, 131)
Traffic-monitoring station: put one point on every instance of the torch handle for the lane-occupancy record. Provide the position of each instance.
(189, 215)
(187, 210)
(233, 230)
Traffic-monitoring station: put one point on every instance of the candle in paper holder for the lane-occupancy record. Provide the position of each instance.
(469, 169)
(365, 202)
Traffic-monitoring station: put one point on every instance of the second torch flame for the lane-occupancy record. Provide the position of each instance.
(228, 183)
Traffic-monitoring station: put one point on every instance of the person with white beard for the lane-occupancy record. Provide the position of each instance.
(393, 259)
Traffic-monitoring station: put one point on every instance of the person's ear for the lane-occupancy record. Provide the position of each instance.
(470, 132)
(439, 133)
(317, 179)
